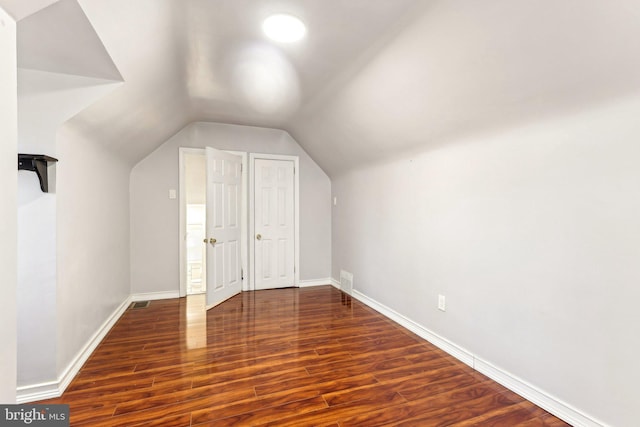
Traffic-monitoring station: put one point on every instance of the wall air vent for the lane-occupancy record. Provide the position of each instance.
(37, 163)
(346, 282)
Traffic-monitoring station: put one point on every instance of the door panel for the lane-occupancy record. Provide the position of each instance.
(274, 226)
(224, 177)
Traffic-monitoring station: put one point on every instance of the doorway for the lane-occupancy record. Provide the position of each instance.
(195, 199)
(286, 267)
(188, 157)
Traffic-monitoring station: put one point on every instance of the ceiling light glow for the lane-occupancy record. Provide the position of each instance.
(264, 78)
(284, 28)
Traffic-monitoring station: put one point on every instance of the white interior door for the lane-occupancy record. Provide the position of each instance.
(274, 227)
(224, 179)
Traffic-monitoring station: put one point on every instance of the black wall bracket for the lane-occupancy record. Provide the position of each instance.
(37, 163)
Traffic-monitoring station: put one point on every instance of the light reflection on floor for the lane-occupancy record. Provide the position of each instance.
(196, 321)
(245, 305)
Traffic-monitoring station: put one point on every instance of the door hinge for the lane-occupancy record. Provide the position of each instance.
(241, 166)
(241, 274)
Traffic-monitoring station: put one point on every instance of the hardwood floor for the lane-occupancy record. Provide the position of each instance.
(289, 357)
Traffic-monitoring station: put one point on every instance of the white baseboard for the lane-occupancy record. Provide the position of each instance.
(34, 392)
(53, 389)
(456, 351)
(562, 410)
(152, 296)
(315, 282)
(547, 402)
(544, 400)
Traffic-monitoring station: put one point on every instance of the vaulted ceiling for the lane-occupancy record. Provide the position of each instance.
(372, 78)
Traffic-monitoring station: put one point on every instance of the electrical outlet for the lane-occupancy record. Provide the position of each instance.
(442, 303)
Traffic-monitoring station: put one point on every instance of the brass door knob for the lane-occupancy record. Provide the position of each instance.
(205, 240)
(212, 240)
(259, 236)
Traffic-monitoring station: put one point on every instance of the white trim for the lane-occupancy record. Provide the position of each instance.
(35, 392)
(53, 389)
(296, 207)
(252, 227)
(152, 296)
(458, 352)
(544, 400)
(533, 394)
(296, 192)
(83, 355)
(314, 282)
(562, 410)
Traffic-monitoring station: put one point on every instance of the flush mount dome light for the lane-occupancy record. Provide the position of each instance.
(284, 28)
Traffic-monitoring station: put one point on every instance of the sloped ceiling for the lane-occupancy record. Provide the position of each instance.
(20, 9)
(463, 67)
(43, 43)
(372, 79)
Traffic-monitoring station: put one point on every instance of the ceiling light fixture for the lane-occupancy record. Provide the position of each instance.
(284, 28)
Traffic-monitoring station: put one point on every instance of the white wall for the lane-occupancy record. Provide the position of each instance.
(93, 240)
(45, 101)
(514, 189)
(155, 218)
(37, 122)
(533, 236)
(8, 207)
(36, 278)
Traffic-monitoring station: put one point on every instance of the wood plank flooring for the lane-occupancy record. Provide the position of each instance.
(288, 357)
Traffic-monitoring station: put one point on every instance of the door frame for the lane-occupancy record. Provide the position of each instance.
(296, 214)
(182, 151)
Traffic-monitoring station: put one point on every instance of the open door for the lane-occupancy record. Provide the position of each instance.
(224, 179)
